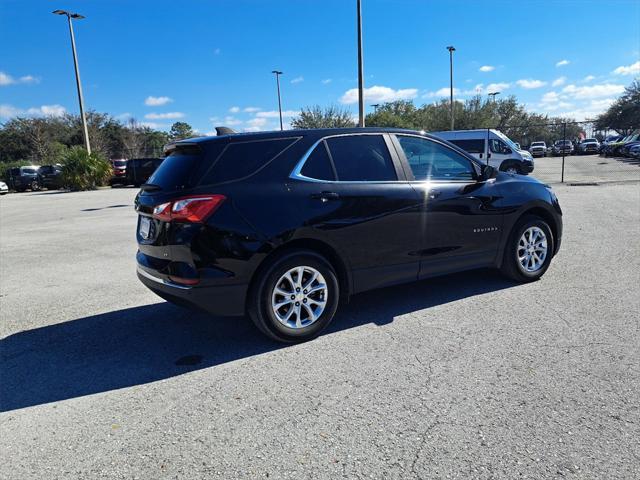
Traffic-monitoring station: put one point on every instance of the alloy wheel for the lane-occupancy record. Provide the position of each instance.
(532, 249)
(299, 297)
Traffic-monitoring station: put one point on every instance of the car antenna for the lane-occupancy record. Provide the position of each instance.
(224, 131)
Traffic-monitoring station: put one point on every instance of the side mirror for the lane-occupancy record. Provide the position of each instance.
(487, 172)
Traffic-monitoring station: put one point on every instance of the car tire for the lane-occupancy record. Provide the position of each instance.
(511, 167)
(519, 263)
(35, 186)
(293, 321)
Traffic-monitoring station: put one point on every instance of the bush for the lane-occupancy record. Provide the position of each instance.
(83, 171)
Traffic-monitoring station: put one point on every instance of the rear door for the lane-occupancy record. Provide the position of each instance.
(460, 226)
(362, 204)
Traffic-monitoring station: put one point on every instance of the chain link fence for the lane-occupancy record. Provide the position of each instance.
(578, 152)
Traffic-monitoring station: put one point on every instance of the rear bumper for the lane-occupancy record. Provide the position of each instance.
(224, 300)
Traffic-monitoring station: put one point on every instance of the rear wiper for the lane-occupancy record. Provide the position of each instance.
(150, 187)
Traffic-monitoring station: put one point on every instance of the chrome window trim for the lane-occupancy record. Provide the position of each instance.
(297, 175)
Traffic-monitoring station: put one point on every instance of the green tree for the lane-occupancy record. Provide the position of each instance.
(624, 114)
(329, 117)
(180, 131)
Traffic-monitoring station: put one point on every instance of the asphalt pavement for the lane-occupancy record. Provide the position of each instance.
(465, 376)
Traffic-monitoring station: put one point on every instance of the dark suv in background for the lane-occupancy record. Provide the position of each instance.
(23, 178)
(284, 225)
(51, 176)
(138, 170)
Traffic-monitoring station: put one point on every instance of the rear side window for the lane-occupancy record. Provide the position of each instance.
(361, 158)
(176, 169)
(239, 160)
(318, 165)
(470, 146)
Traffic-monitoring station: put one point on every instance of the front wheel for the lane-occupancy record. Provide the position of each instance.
(529, 250)
(513, 169)
(295, 298)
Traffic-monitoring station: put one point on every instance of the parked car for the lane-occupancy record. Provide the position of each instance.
(604, 146)
(23, 178)
(538, 149)
(50, 176)
(4, 188)
(283, 225)
(634, 151)
(119, 168)
(562, 147)
(588, 146)
(624, 149)
(614, 149)
(491, 147)
(138, 170)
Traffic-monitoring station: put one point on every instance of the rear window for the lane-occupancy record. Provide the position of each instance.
(361, 158)
(318, 165)
(470, 146)
(175, 170)
(242, 159)
(119, 163)
(29, 171)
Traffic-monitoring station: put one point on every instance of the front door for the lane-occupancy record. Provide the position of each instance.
(461, 227)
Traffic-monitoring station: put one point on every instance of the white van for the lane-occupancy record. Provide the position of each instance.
(492, 147)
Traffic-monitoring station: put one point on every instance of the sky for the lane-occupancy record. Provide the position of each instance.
(209, 63)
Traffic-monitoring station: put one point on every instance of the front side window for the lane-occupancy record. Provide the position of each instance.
(498, 146)
(432, 161)
(359, 158)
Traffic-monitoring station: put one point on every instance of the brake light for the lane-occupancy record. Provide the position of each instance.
(193, 209)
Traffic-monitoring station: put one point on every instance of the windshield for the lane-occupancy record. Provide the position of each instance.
(537, 144)
(120, 163)
(507, 140)
(590, 140)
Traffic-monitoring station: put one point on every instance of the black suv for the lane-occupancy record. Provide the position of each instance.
(283, 225)
(51, 176)
(23, 178)
(138, 170)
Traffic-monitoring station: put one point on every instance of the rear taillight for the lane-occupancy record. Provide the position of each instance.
(192, 209)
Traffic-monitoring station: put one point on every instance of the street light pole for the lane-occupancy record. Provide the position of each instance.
(85, 131)
(278, 73)
(375, 107)
(451, 50)
(360, 69)
(493, 96)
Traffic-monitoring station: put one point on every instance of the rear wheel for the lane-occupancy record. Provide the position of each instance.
(295, 298)
(35, 186)
(529, 250)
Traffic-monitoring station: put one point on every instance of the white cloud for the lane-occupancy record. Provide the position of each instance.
(593, 91)
(251, 109)
(479, 89)
(164, 116)
(487, 68)
(588, 110)
(632, 69)
(562, 63)
(230, 121)
(297, 80)
(559, 81)
(6, 79)
(588, 78)
(8, 111)
(153, 125)
(234, 109)
(530, 83)
(276, 114)
(379, 94)
(496, 87)
(157, 101)
(258, 122)
(327, 81)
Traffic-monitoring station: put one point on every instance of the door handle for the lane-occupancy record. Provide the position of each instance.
(325, 196)
(433, 194)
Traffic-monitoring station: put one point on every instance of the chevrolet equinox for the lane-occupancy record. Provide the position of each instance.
(282, 226)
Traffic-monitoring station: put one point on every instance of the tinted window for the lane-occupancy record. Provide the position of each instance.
(119, 163)
(471, 146)
(318, 165)
(431, 160)
(361, 158)
(176, 169)
(242, 159)
(29, 171)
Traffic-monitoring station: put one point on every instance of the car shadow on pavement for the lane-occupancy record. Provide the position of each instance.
(144, 344)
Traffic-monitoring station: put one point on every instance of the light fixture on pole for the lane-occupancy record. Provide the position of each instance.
(360, 69)
(375, 107)
(451, 50)
(278, 73)
(493, 95)
(77, 16)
